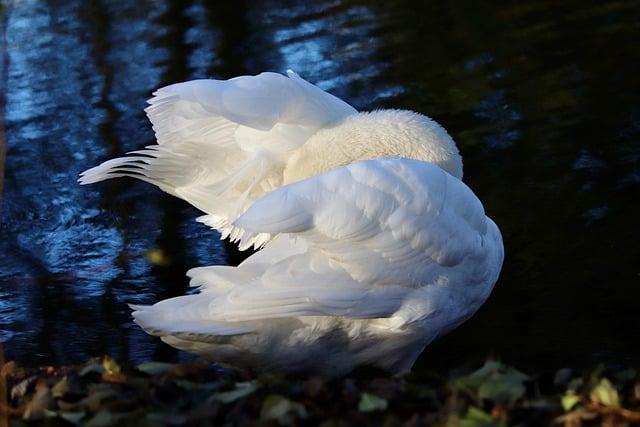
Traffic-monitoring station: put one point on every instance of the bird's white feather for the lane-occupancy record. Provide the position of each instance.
(224, 143)
(388, 245)
(366, 232)
(373, 248)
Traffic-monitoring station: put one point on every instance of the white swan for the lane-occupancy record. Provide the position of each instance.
(373, 246)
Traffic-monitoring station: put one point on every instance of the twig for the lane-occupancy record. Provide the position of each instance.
(627, 414)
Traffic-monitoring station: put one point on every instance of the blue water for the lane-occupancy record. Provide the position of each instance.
(542, 98)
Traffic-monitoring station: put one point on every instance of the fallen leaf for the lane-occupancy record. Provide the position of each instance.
(502, 388)
(569, 400)
(476, 378)
(41, 401)
(21, 388)
(476, 417)
(110, 366)
(154, 368)
(605, 393)
(494, 382)
(72, 417)
(61, 388)
(278, 407)
(241, 390)
(371, 402)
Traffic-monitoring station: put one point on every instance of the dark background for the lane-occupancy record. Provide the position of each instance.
(542, 97)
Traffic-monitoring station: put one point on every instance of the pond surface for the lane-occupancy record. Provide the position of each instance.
(542, 98)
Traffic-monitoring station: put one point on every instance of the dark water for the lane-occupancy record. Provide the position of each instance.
(542, 98)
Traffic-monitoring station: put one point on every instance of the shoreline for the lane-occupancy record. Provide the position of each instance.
(103, 392)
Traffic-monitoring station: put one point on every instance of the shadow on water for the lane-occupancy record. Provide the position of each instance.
(4, 62)
(542, 98)
(234, 46)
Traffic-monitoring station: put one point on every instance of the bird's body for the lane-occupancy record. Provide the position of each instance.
(372, 244)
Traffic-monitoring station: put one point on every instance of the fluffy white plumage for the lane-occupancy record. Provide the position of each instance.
(373, 246)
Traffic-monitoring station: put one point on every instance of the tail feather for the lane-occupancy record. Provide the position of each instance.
(220, 278)
(174, 317)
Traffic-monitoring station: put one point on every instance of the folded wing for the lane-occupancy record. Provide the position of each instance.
(386, 238)
(224, 143)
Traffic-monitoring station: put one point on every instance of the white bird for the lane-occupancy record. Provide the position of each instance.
(372, 244)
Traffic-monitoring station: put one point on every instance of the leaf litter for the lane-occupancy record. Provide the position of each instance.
(103, 392)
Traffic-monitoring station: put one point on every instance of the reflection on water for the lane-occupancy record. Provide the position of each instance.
(543, 100)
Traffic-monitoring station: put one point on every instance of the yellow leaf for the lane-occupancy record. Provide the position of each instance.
(569, 400)
(61, 388)
(605, 394)
(110, 366)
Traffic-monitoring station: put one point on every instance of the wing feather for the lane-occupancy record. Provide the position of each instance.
(387, 239)
(376, 232)
(224, 143)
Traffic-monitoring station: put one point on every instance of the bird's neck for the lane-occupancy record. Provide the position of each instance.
(365, 136)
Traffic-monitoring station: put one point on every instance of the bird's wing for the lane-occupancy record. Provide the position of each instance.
(224, 143)
(375, 232)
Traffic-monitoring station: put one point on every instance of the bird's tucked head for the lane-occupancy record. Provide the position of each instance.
(371, 135)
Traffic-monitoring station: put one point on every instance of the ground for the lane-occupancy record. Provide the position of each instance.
(103, 392)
